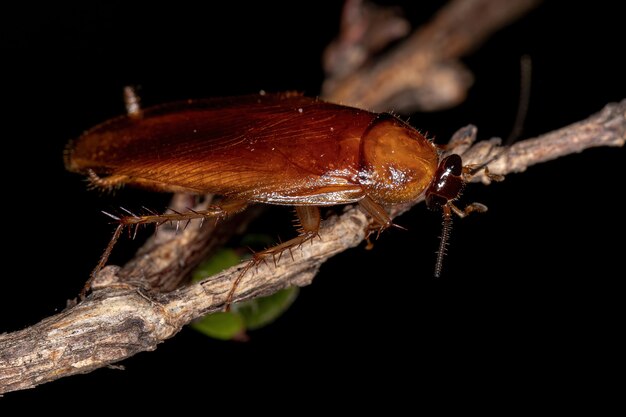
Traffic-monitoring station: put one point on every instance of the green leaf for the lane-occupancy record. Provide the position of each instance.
(262, 311)
(223, 326)
(222, 259)
(247, 315)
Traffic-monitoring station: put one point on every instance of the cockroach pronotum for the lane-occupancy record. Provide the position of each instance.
(284, 149)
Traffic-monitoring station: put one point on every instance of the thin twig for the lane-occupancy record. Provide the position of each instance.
(424, 71)
(119, 320)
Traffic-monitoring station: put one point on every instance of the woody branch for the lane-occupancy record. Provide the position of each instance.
(120, 319)
(130, 310)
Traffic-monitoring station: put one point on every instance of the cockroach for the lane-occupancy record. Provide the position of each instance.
(283, 149)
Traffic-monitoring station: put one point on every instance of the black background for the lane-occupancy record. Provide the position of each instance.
(530, 289)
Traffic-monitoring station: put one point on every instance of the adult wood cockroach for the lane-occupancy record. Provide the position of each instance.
(283, 149)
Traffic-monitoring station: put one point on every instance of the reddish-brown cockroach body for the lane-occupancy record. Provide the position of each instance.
(283, 149)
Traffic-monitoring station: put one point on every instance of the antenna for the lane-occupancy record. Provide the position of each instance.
(524, 99)
(451, 176)
(446, 229)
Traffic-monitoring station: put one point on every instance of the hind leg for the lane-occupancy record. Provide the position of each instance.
(226, 208)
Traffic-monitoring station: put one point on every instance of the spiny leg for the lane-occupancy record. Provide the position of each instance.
(308, 226)
(380, 217)
(159, 219)
(103, 259)
(226, 208)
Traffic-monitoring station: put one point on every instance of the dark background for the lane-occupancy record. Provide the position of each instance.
(530, 289)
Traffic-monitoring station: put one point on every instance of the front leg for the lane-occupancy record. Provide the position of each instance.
(379, 215)
(381, 220)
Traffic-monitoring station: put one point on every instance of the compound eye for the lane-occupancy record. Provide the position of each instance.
(447, 182)
(453, 164)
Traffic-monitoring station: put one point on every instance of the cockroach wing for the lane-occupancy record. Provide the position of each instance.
(275, 148)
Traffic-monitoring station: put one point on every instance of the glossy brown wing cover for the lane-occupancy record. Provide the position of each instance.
(279, 148)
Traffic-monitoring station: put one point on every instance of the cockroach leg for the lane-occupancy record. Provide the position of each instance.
(471, 170)
(219, 211)
(133, 220)
(470, 208)
(381, 220)
(102, 261)
(446, 229)
(308, 226)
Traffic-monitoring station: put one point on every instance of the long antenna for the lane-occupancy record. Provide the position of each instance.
(524, 99)
(448, 208)
(522, 112)
(443, 241)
